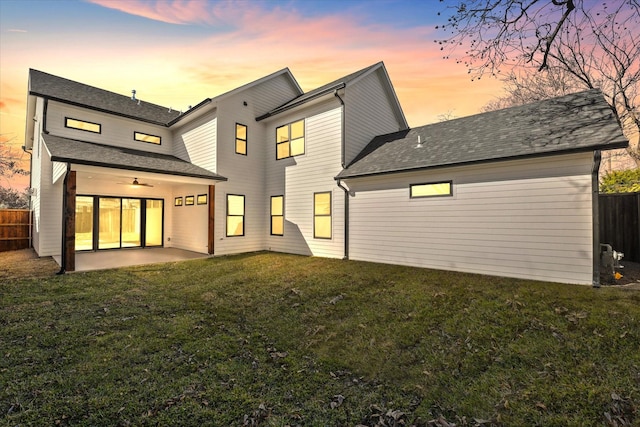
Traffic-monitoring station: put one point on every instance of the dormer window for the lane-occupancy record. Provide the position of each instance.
(145, 137)
(82, 125)
(290, 140)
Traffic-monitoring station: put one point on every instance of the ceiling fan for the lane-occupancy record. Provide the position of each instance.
(136, 183)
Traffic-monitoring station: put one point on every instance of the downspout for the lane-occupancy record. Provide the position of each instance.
(63, 255)
(343, 164)
(595, 213)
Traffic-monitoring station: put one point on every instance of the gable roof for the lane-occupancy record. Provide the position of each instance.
(285, 72)
(70, 92)
(92, 154)
(573, 123)
(333, 86)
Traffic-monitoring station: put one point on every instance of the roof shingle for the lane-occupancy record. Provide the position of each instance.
(71, 92)
(89, 153)
(578, 122)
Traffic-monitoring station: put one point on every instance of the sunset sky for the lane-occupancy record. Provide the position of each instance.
(177, 53)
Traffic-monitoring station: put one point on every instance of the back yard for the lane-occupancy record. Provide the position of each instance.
(273, 340)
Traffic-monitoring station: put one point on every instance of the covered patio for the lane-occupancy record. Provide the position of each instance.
(88, 261)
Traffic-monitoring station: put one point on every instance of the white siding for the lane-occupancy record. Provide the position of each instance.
(116, 131)
(269, 94)
(369, 113)
(36, 173)
(298, 178)
(188, 227)
(245, 173)
(47, 207)
(196, 142)
(528, 219)
(59, 171)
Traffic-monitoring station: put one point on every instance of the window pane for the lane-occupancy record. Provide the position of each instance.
(131, 220)
(79, 124)
(138, 136)
(431, 190)
(235, 226)
(241, 131)
(84, 223)
(276, 205)
(282, 150)
(297, 146)
(282, 134)
(235, 205)
(153, 227)
(109, 220)
(297, 129)
(277, 225)
(322, 204)
(241, 146)
(322, 227)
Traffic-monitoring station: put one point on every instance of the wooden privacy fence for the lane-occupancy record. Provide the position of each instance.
(15, 229)
(619, 223)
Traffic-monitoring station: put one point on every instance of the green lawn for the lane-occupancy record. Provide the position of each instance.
(274, 340)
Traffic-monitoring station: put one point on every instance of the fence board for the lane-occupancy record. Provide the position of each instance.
(15, 227)
(620, 223)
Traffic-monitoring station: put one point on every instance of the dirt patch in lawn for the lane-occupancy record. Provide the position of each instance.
(26, 264)
(630, 275)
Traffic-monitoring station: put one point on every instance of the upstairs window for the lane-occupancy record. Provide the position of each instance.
(82, 125)
(290, 140)
(432, 189)
(241, 139)
(145, 137)
(235, 215)
(322, 215)
(277, 215)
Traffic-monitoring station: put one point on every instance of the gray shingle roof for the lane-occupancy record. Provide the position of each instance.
(88, 153)
(68, 91)
(578, 122)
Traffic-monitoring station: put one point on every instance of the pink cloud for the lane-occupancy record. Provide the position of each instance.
(169, 11)
(257, 41)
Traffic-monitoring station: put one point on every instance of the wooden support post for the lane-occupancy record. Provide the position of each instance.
(70, 222)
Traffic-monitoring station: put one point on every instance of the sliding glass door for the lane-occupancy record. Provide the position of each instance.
(116, 222)
(109, 222)
(153, 222)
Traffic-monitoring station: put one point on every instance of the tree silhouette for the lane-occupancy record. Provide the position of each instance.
(596, 43)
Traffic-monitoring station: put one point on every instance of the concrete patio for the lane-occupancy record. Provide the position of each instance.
(87, 261)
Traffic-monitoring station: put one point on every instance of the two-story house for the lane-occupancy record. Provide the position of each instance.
(333, 172)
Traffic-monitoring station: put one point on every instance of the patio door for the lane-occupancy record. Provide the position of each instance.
(118, 222)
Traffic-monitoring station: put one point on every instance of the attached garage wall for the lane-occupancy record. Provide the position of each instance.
(527, 219)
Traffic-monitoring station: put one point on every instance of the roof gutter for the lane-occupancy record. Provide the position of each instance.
(191, 110)
(290, 106)
(102, 110)
(483, 161)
